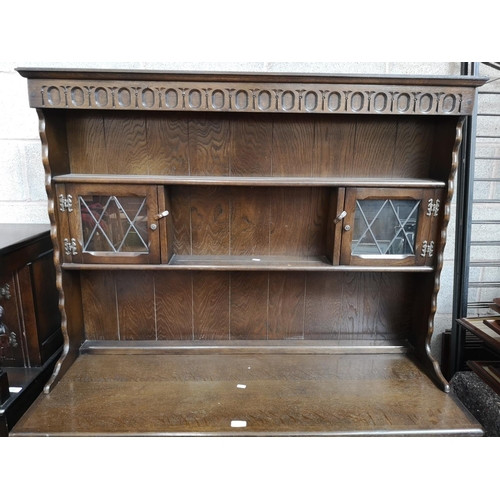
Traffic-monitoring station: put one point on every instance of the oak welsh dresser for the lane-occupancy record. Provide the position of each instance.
(248, 254)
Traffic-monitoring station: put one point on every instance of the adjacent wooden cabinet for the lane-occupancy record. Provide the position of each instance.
(282, 230)
(30, 321)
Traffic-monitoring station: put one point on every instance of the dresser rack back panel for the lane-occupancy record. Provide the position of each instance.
(222, 212)
(248, 145)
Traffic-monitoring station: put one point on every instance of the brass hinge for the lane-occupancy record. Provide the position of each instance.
(70, 247)
(66, 203)
(433, 207)
(6, 338)
(427, 248)
(5, 291)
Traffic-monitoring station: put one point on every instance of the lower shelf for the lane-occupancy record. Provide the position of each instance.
(489, 371)
(246, 394)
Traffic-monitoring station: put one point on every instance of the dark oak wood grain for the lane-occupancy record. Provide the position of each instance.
(250, 220)
(136, 305)
(100, 305)
(126, 144)
(293, 146)
(210, 220)
(334, 141)
(211, 305)
(398, 293)
(317, 227)
(204, 180)
(209, 140)
(174, 306)
(413, 148)
(237, 76)
(249, 306)
(284, 395)
(252, 146)
(167, 142)
(87, 143)
(375, 146)
(286, 305)
(323, 307)
(181, 219)
(289, 231)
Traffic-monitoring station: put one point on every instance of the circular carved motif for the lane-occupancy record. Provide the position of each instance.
(148, 98)
(403, 102)
(195, 99)
(287, 100)
(425, 102)
(449, 103)
(101, 96)
(171, 98)
(308, 99)
(77, 96)
(357, 101)
(54, 96)
(380, 101)
(311, 101)
(124, 97)
(218, 99)
(264, 100)
(334, 101)
(241, 99)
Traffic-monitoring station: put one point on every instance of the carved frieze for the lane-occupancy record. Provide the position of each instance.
(247, 97)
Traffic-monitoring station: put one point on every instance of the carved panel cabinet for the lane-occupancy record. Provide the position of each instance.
(248, 254)
(30, 321)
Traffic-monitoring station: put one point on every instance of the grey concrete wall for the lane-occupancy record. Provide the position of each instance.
(487, 166)
(22, 191)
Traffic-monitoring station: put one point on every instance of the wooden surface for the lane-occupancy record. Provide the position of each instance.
(257, 93)
(245, 263)
(488, 371)
(422, 231)
(31, 306)
(481, 329)
(207, 76)
(253, 170)
(206, 145)
(13, 236)
(30, 381)
(209, 305)
(207, 180)
(76, 223)
(252, 346)
(383, 394)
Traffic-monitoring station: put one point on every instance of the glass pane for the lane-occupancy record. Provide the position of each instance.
(114, 223)
(385, 227)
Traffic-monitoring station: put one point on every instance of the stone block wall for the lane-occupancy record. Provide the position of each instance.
(486, 195)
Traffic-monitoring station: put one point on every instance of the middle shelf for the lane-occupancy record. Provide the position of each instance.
(249, 227)
(245, 263)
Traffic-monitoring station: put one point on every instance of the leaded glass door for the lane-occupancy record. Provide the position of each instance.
(111, 223)
(389, 226)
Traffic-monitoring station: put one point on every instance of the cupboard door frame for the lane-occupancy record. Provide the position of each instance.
(423, 233)
(149, 192)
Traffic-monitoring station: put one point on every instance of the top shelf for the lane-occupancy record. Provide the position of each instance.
(248, 181)
(238, 76)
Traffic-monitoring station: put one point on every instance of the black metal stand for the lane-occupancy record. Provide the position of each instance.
(464, 196)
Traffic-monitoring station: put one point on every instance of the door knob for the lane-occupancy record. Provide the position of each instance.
(340, 217)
